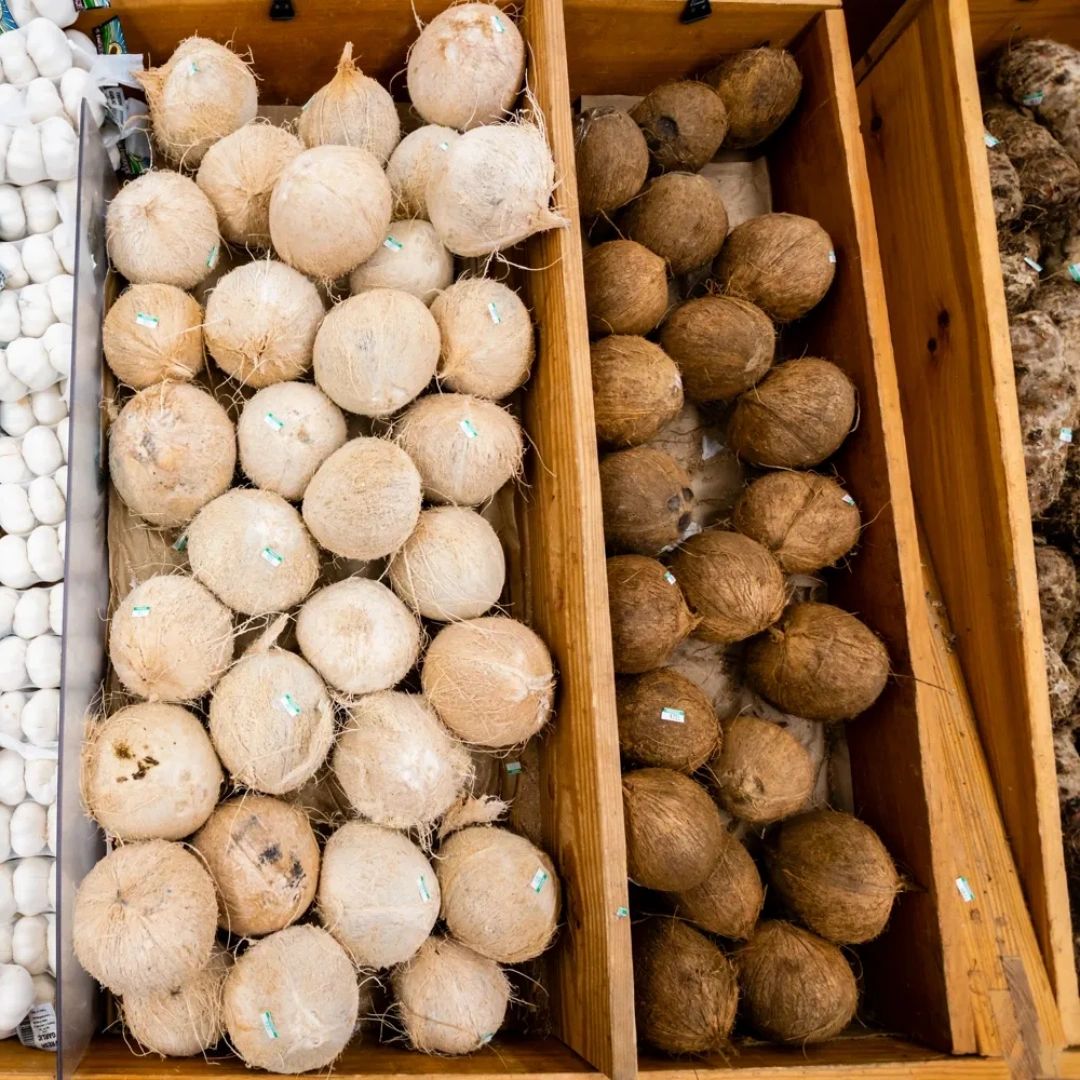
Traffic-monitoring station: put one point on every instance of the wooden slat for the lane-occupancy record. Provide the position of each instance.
(16, 1061)
(995, 23)
(1070, 1065)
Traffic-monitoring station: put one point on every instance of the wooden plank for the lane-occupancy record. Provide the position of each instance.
(1070, 1065)
(995, 23)
(19, 1063)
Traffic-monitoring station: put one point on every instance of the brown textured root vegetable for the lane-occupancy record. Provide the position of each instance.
(783, 263)
(681, 217)
(647, 500)
(722, 346)
(145, 918)
(1045, 76)
(649, 616)
(411, 258)
(1062, 684)
(1020, 279)
(672, 830)
(731, 583)
(153, 333)
(796, 416)
(410, 167)
(760, 88)
(636, 389)
(806, 520)
(1045, 375)
(729, 901)
(684, 122)
(1046, 454)
(818, 662)
(1004, 186)
(1058, 597)
(612, 160)
(625, 288)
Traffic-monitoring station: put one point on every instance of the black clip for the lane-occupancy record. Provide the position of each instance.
(695, 11)
(281, 10)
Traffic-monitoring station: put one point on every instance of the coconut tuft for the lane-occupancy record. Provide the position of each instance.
(626, 288)
(153, 333)
(612, 160)
(647, 500)
(411, 259)
(411, 165)
(729, 901)
(649, 616)
(760, 88)
(637, 389)
(684, 122)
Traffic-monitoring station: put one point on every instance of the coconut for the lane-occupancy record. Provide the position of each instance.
(666, 720)
(144, 918)
(673, 830)
(490, 680)
(636, 389)
(464, 447)
(330, 210)
(272, 721)
(681, 217)
(170, 639)
(760, 88)
(292, 1001)
(684, 122)
(261, 322)
(722, 345)
(264, 859)
(819, 662)
(172, 449)
(150, 772)
(153, 333)
(466, 67)
(649, 616)
(162, 229)
(411, 165)
(796, 416)
(612, 160)
(351, 110)
(684, 988)
(762, 773)
(806, 520)
(397, 764)
(492, 189)
(729, 901)
(833, 873)
(487, 338)
(411, 259)
(185, 1019)
(238, 174)
(647, 500)
(781, 262)
(375, 352)
(364, 500)
(625, 288)
(202, 93)
(358, 635)
(285, 432)
(452, 567)
(796, 988)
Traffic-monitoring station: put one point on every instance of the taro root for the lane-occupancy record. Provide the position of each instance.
(612, 160)
(1061, 682)
(760, 87)
(729, 901)
(647, 500)
(626, 288)
(636, 389)
(1057, 593)
(649, 616)
(1004, 186)
(1020, 279)
(1044, 76)
(684, 122)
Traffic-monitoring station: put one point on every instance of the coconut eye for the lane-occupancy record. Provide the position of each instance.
(674, 503)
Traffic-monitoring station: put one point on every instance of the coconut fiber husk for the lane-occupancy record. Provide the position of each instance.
(647, 500)
(626, 289)
(637, 389)
(729, 901)
(684, 122)
(612, 160)
(760, 88)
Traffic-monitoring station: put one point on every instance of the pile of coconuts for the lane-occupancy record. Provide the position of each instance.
(310, 691)
(746, 885)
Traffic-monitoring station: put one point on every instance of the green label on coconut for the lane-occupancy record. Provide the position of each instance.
(832, 257)
(268, 1024)
(538, 879)
(1074, 271)
(493, 311)
(288, 703)
(180, 543)
(212, 258)
(468, 428)
(497, 23)
(140, 611)
(676, 716)
(1037, 267)
(965, 889)
(146, 320)
(272, 557)
(513, 767)
(1065, 434)
(622, 913)
(193, 68)
(392, 244)
(848, 499)
(486, 1038)
(273, 421)
(990, 141)
(422, 889)
(1035, 98)
(669, 577)
(444, 146)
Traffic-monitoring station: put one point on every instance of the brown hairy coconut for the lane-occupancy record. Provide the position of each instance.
(731, 583)
(729, 901)
(649, 616)
(612, 160)
(796, 416)
(672, 830)
(684, 988)
(681, 217)
(626, 288)
(153, 333)
(806, 520)
(818, 662)
(796, 988)
(834, 874)
(762, 773)
(722, 345)
(637, 389)
(647, 500)
(781, 262)
(684, 122)
(264, 859)
(666, 720)
(760, 87)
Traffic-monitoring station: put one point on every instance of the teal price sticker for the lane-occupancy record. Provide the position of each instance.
(675, 716)
(274, 558)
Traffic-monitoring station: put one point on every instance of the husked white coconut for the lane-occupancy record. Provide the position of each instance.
(411, 258)
(153, 333)
(411, 164)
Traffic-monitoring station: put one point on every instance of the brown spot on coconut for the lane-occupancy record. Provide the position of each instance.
(450, 999)
(1058, 597)
(150, 772)
(144, 918)
(684, 988)
(153, 333)
(612, 160)
(672, 830)
(647, 500)
(729, 901)
(783, 263)
(636, 389)
(818, 662)
(170, 639)
(681, 217)
(411, 259)
(411, 165)
(684, 122)
(760, 88)
(302, 965)
(796, 988)
(626, 288)
(490, 680)
(796, 416)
